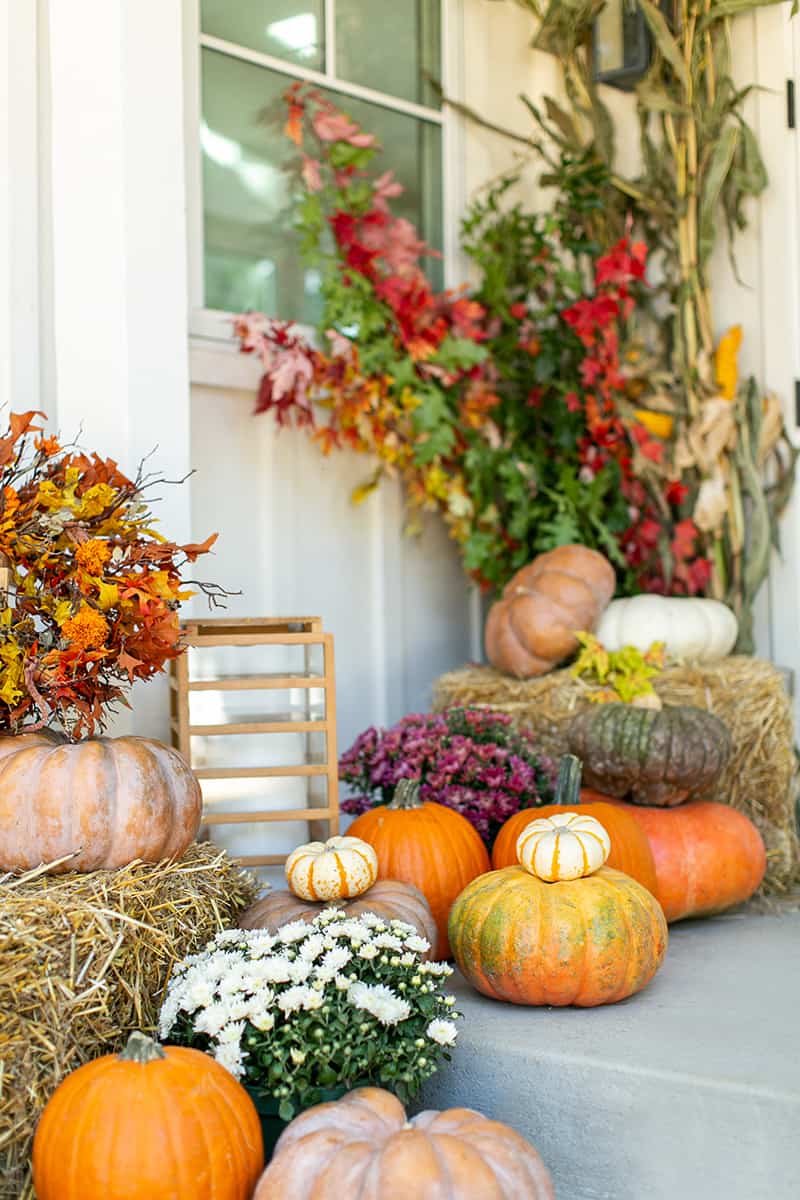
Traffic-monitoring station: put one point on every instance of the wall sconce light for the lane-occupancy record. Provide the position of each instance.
(622, 46)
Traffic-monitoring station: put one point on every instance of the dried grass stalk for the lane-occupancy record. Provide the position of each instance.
(746, 693)
(84, 959)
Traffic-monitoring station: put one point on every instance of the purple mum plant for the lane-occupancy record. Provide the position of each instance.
(470, 759)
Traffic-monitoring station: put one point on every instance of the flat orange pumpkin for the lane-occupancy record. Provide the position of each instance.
(426, 844)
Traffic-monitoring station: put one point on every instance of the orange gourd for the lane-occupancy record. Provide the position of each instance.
(532, 628)
(630, 849)
(151, 1121)
(708, 856)
(111, 800)
(426, 844)
(364, 1145)
(388, 898)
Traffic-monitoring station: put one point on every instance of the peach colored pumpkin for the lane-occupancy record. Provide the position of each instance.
(532, 628)
(111, 800)
(364, 1145)
(388, 898)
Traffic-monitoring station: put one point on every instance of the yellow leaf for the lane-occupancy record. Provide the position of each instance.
(62, 612)
(725, 364)
(659, 424)
(107, 595)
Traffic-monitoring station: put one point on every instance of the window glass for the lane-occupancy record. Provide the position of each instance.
(289, 29)
(252, 259)
(390, 46)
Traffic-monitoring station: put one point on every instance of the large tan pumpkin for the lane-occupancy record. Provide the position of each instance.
(532, 628)
(110, 799)
(364, 1145)
(388, 898)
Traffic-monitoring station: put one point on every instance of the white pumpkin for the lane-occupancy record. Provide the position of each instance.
(691, 628)
(338, 869)
(565, 845)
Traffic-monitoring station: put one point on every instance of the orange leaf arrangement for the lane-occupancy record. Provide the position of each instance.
(92, 591)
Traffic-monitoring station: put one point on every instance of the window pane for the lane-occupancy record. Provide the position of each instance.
(290, 29)
(388, 45)
(251, 254)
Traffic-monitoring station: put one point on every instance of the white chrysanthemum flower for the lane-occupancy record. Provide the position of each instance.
(337, 958)
(435, 968)
(352, 928)
(298, 1057)
(229, 1056)
(444, 1033)
(261, 943)
(388, 941)
(380, 1001)
(329, 914)
(232, 985)
(295, 998)
(401, 926)
(408, 960)
(231, 1034)
(300, 970)
(264, 1021)
(167, 1016)
(419, 945)
(228, 937)
(274, 970)
(312, 947)
(295, 931)
(341, 983)
(240, 1008)
(368, 951)
(373, 921)
(212, 1019)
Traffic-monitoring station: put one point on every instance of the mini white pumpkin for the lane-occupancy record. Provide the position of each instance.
(689, 627)
(338, 869)
(564, 846)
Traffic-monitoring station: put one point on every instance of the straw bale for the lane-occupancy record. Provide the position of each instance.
(746, 693)
(85, 959)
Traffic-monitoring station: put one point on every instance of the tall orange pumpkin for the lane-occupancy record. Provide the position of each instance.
(708, 856)
(152, 1121)
(111, 800)
(426, 844)
(630, 849)
(531, 629)
(364, 1145)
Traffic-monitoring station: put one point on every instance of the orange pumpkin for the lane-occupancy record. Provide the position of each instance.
(708, 856)
(630, 849)
(111, 800)
(364, 1145)
(426, 844)
(151, 1121)
(388, 898)
(532, 628)
(584, 941)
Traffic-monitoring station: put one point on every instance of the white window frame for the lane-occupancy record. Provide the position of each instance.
(211, 342)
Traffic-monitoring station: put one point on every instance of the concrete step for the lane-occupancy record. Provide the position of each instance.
(688, 1091)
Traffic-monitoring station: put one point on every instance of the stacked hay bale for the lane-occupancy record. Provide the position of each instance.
(746, 693)
(85, 959)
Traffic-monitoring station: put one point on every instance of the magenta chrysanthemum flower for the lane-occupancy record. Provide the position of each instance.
(470, 759)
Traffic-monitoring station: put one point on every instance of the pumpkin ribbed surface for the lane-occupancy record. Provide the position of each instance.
(112, 799)
(708, 856)
(177, 1126)
(363, 1146)
(630, 849)
(655, 757)
(585, 941)
(430, 846)
(388, 898)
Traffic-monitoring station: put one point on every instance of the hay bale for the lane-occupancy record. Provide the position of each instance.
(746, 693)
(84, 959)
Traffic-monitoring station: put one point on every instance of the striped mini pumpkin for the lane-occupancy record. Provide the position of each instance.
(566, 845)
(338, 869)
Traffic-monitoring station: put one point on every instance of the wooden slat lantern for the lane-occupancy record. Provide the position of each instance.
(261, 741)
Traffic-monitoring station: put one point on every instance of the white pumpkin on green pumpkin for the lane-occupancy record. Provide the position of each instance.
(690, 627)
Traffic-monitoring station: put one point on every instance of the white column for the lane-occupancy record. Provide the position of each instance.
(113, 150)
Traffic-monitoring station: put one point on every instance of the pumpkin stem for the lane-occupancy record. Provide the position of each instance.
(141, 1049)
(568, 784)
(406, 794)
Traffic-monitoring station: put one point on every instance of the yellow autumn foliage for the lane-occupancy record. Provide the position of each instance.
(725, 362)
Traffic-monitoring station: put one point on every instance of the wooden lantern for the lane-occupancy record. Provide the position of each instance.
(302, 718)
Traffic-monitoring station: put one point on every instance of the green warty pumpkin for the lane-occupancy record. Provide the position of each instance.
(652, 757)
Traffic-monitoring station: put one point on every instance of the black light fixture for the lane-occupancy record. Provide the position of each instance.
(622, 46)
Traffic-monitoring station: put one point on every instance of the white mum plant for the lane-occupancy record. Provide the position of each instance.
(334, 1002)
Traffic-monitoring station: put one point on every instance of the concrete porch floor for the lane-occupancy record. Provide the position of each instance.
(688, 1091)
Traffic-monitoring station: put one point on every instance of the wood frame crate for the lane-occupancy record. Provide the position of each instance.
(323, 819)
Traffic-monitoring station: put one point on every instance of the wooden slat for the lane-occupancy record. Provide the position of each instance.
(332, 756)
(258, 727)
(260, 860)
(194, 640)
(259, 818)
(252, 625)
(253, 683)
(260, 772)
